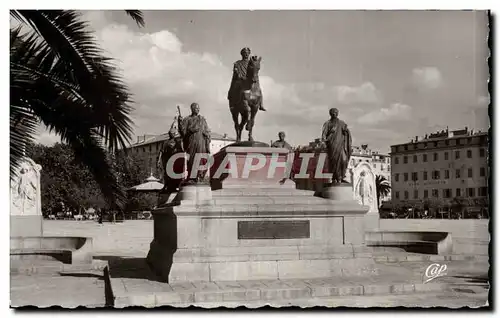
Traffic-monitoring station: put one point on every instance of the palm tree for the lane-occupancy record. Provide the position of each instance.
(60, 77)
(383, 188)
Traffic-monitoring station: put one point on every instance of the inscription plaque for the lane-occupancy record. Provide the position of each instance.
(255, 230)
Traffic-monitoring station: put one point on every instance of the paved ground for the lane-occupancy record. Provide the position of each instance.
(69, 291)
(132, 238)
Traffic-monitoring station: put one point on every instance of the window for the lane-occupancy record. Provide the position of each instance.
(483, 192)
(150, 148)
(414, 176)
(415, 194)
(435, 193)
(481, 152)
(446, 156)
(414, 158)
(446, 193)
(396, 177)
(457, 154)
(406, 195)
(469, 153)
(435, 156)
(457, 173)
(447, 174)
(424, 159)
(406, 176)
(482, 172)
(397, 194)
(405, 159)
(435, 175)
(469, 173)
(143, 149)
(425, 175)
(471, 192)
(457, 193)
(396, 160)
(426, 194)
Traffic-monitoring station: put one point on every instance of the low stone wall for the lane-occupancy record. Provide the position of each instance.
(132, 237)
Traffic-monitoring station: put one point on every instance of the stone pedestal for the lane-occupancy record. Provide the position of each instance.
(258, 228)
(25, 201)
(26, 225)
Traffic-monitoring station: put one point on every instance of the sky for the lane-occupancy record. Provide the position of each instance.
(393, 75)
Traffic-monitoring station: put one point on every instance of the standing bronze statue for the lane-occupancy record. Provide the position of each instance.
(245, 95)
(337, 138)
(196, 138)
(281, 143)
(171, 147)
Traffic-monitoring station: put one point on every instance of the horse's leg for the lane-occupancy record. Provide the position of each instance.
(234, 114)
(251, 121)
(244, 111)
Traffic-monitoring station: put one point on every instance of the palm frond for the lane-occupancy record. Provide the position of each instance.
(83, 62)
(137, 16)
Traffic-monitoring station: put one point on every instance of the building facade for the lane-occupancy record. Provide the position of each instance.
(379, 163)
(149, 146)
(440, 167)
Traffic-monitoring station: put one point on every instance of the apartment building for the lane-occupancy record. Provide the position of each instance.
(440, 167)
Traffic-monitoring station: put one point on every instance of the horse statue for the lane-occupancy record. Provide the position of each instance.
(247, 100)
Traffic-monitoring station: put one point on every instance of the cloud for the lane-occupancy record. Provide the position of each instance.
(427, 77)
(162, 73)
(366, 93)
(395, 112)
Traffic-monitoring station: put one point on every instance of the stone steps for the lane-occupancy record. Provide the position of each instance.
(197, 293)
(20, 267)
(399, 274)
(255, 192)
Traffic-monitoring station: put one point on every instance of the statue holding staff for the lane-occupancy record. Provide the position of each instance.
(170, 147)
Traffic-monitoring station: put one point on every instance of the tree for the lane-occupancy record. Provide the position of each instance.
(383, 188)
(65, 179)
(60, 77)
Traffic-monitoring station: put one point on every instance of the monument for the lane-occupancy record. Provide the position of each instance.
(252, 223)
(25, 200)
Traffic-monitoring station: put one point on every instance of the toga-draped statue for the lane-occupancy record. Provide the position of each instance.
(337, 138)
(195, 135)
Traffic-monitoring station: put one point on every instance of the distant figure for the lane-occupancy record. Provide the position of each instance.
(337, 138)
(281, 143)
(99, 215)
(195, 135)
(172, 146)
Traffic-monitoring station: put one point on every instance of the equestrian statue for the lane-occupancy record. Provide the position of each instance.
(245, 95)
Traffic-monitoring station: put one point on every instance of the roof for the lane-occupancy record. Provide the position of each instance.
(150, 139)
(424, 140)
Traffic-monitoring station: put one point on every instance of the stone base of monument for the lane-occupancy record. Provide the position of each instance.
(258, 228)
(26, 225)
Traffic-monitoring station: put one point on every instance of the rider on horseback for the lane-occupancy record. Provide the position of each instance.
(240, 76)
